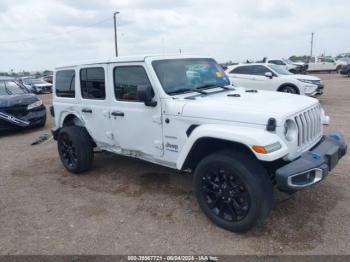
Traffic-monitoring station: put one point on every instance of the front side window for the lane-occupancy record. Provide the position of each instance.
(244, 70)
(92, 83)
(126, 80)
(65, 83)
(182, 75)
(259, 70)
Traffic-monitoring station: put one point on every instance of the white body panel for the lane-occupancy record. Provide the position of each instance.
(320, 64)
(159, 134)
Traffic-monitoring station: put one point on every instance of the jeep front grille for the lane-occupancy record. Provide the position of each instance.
(309, 126)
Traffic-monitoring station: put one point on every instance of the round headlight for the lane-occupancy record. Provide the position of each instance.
(290, 130)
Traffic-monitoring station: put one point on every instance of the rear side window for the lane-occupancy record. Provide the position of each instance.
(126, 80)
(65, 83)
(92, 83)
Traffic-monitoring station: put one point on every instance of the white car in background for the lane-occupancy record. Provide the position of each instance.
(274, 78)
(323, 63)
(288, 65)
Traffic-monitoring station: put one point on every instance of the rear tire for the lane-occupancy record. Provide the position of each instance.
(289, 89)
(233, 190)
(75, 148)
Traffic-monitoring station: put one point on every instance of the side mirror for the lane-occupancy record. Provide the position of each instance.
(269, 75)
(145, 94)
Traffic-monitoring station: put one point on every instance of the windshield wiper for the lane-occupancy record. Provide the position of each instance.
(207, 86)
(184, 90)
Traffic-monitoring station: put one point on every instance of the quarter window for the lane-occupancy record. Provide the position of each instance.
(126, 80)
(65, 83)
(92, 83)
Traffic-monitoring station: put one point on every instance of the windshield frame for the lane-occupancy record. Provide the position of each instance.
(188, 88)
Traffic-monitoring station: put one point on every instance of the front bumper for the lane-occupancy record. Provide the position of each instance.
(32, 118)
(312, 166)
(318, 91)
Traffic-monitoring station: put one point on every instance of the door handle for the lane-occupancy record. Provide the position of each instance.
(117, 113)
(87, 110)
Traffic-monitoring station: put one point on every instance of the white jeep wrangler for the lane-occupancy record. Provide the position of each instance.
(181, 112)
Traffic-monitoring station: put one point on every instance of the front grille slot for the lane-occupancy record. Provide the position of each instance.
(309, 126)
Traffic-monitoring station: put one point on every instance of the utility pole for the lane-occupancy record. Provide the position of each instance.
(115, 33)
(312, 43)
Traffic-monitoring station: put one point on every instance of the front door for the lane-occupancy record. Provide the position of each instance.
(136, 127)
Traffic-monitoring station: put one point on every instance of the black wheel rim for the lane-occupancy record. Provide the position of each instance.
(67, 151)
(225, 195)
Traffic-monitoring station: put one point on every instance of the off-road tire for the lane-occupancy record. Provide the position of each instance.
(289, 89)
(255, 180)
(81, 152)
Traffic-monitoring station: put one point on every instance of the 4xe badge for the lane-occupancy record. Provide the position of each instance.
(172, 147)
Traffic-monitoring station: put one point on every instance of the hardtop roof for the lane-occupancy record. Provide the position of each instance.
(126, 59)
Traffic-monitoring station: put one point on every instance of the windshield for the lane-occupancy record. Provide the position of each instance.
(11, 88)
(287, 61)
(179, 75)
(280, 70)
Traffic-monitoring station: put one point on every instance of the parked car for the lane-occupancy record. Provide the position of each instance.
(288, 65)
(325, 63)
(18, 107)
(342, 62)
(343, 55)
(181, 112)
(345, 70)
(274, 78)
(37, 86)
(48, 79)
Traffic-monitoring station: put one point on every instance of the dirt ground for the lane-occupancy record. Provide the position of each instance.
(126, 206)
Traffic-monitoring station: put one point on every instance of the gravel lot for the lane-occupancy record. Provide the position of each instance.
(126, 206)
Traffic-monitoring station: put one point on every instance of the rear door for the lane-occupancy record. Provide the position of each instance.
(94, 106)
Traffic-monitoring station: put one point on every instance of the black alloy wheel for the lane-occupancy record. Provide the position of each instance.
(226, 195)
(67, 151)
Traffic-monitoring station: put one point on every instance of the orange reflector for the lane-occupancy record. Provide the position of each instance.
(260, 149)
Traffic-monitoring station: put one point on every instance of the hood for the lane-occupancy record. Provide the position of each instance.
(252, 108)
(306, 77)
(17, 100)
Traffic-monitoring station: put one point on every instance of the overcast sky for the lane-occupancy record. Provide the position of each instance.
(38, 34)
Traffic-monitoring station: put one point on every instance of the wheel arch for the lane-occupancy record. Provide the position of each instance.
(208, 145)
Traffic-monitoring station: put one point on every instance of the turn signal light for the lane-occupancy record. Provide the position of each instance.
(260, 149)
(267, 149)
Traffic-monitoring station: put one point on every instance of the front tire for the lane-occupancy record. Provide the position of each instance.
(289, 90)
(75, 149)
(233, 190)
